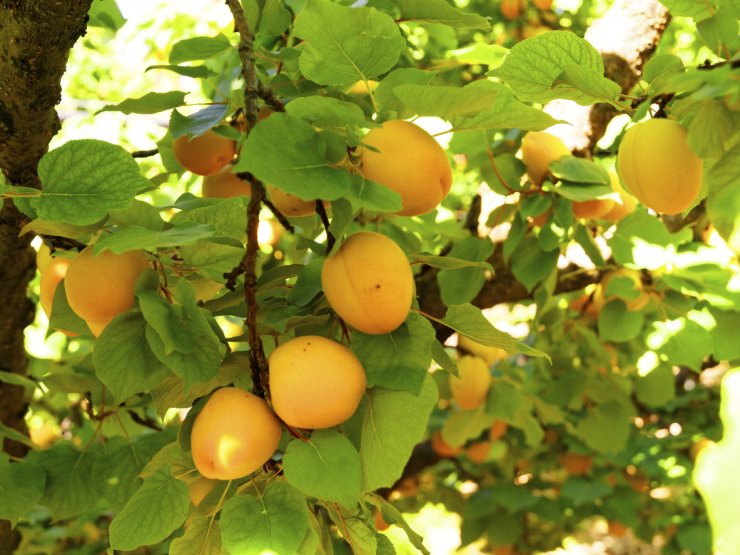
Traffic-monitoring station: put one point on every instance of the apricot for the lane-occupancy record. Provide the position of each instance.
(638, 303)
(489, 354)
(512, 9)
(658, 167)
(471, 389)
(498, 430)
(409, 161)
(380, 524)
(624, 206)
(543, 5)
(617, 529)
(95, 328)
(233, 435)
(315, 382)
(363, 87)
(368, 282)
(205, 154)
(478, 452)
(100, 287)
(442, 448)
(199, 488)
(290, 205)
(592, 209)
(576, 464)
(539, 149)
(51, 276)
(43, 257)
(224, 184)
(540, 219)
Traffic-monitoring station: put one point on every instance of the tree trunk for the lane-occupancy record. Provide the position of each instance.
(35, 40)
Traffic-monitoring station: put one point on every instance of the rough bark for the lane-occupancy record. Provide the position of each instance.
(35, 39)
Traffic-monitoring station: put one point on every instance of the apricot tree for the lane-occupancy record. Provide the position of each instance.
(506, 282)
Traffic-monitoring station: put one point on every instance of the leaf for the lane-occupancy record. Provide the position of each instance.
(195, 124)
(324, 111)
(158, 508)
(62, 315)
(584, 238)
(723, 201)
(105, 13)
(446, 101)
(644, 241)
(327, 467)
(594, 86)
(198, 48)
(662, 64)
(202, 537)
(440, 356)
(392, 423)
(384, 95)
(582, 491)
(399, 359)
(140, 238)
(461, 285)
(657, 387)
(690, 8)
(712, 128)
(21, 487)
(616, 323)
(124, 362)
(720, 30)
(530, 264)
(196, 72)
(83, 180)
(607, 427)
(684, 341)
(439, 11)
(14, 435)
(344, 45)
(69, 490)
(367, 194)
(580, 170)
(463, 425)
(277, 521)
(287, 152)
(150, 103)
(533, 65)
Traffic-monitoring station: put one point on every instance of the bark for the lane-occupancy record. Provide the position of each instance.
(35, 39)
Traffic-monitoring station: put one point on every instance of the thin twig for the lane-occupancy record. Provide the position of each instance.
(144, 153)
(279, 216)
(321, 211)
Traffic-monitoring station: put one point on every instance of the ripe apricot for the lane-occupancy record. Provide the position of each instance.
(95, 328)
(658, 167)
(43, 257)
(101, 287)
(290, 205)
(315, 382)
(543, 5)
(368, 282)
(471, 389)
(498, 430)
(512, 9)
(51, 276)
(624, 206)
(380, 524)
(489, 354)
(199, 488)
(409, 161)
(205, 154)
(478, 452)
(576, 464)
(442, 448)
(224, 184)
(233, 435)
(592, 209)
(617, 529)
(539, 149)
(540, 219)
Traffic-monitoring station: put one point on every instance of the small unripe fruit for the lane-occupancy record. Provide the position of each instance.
(471, 389)
(51, 276)
(233, 435)
(205, 154)
(539, 149)
(290, 205)
(315, 382)
(658, 167)
(409, 161)
(101, 287)
(369, 284)
(224, 184)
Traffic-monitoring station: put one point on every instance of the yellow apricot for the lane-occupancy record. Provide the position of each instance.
(51, 276)
(471, 389)
(592, 209)
(101, 287)
(290, 205)
(315, 382)
(199, 488)
(96, 328)
(233, 435)
(368, 282)
(363, 87)
(409, 161)
(658, 167)
(224, 184)
(538, 150)
(512, 9)
(489, 354)
(624, 206)
(204, 154)
(43, 257)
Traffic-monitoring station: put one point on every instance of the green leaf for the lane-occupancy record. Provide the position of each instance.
(324, 111)
(62, 315)
(105, 13)
(399, 359)
(684, 341)
(594, 86)
(202, 537)
(690, 8)
(14, 435)
(140, 238)
(196, 72)
(530, 264)
(462, 285)
(720, 30)
(197, 123)
(150, 103)
(198, 48)
(21, 487)
(533, 66)
(227, 216)
(287, 152)
(327, 467)
(463, 425)
(582, 491)
(711, 128)
(384, 95)
(439, 11)
(158, 508)
(723, 201)
(138, 213)
(616, 323)
(491, 55)
(716, 468)
(657, 387)
(367, 194)
(83, 180)
(643, 241)
(69, 490)
(450, 263)
(17, 379)
(124, 362)
(607, 427)
(446, 101)
(580, 170)
(393, 422)
(276, 521)
(440, 356)
(362, 43)
(584, 238)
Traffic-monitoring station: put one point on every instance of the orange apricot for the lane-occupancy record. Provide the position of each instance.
(233, 435)
(199, 488)
(224, 184)
(51, 276)
(512, 9)
(99, 287)
(539, 149)
(290, 205)
(498, 430)
(543, 5)
(470, 389)
(368, 282)
(205, 154)
(442, 448)
(315, 382)
(592, 209)
(409, 161)
(658, 167)
(478, 451)
(380, 523)
(576, 464)
(624, 206)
